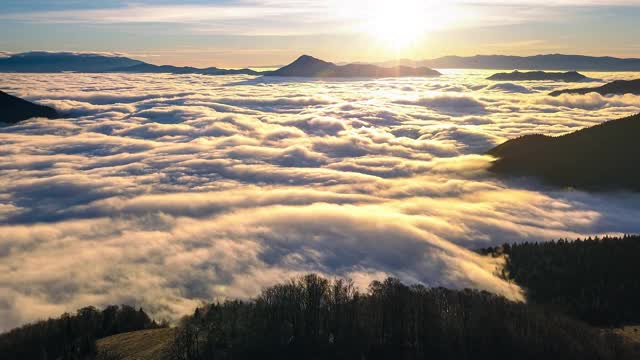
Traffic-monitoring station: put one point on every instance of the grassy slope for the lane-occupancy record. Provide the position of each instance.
(137, 345)
(631, 333)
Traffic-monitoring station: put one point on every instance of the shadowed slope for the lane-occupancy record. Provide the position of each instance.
(315, 318)
(594, 280)
(14, 109)
(600, 157)
(618, 87)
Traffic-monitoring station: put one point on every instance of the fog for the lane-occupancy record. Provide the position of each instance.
(163, 191)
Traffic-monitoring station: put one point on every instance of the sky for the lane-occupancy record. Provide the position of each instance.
(274, 32)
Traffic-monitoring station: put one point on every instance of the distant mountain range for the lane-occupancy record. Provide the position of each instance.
(39, 62)
(14, 109)
(570, 76)
(145, 68)
(618, 87)
(538, 62)
(308, 66)
(305, 66)
(602, 157)
(45, 62)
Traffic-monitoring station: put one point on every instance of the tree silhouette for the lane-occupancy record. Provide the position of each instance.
(314, 318)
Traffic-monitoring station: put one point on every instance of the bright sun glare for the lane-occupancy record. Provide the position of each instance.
(396, 23)
(402, 23)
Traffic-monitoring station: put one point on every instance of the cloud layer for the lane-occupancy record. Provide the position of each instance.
(162, 190)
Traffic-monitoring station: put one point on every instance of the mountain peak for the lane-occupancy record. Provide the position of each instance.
(308, 66)
(308, 60)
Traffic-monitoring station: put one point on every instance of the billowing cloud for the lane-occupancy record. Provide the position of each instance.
(166, 190)
(510, 87)
(449, 104)
(592, 101)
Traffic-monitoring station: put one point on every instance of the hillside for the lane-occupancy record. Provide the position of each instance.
(13, 109)
(594, 280)
(308, 66)
(138, 345)
(618, 87)
(570, 76)
(597, 158)
(311, 317)
(314, 318)
(631, 333)
(71, 336)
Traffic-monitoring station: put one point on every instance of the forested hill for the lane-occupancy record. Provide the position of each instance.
(71, 337)
(602, 157)
(596, 280)
(315, 318)
(618, 87)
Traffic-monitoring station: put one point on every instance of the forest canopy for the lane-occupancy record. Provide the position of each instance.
(596, 279)
(312, 317)
(71, 336)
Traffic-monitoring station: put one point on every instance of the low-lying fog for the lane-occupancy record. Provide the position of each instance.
(165, 190)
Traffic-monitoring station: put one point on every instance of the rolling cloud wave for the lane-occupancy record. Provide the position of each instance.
(161, 190)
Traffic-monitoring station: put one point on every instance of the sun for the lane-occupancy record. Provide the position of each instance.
(394, 23)
(399, 24)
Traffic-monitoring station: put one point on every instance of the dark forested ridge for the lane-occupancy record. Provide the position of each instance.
(602, 157)
(314, 318)
(596, 280)
(617, 87)
(14, 109)
(71, 337)
(570, 76)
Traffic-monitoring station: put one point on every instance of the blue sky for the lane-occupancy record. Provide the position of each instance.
(273, 32)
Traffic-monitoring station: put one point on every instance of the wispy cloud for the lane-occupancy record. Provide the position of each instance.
(282, 17)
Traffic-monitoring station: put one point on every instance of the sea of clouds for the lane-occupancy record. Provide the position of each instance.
(166, 190)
